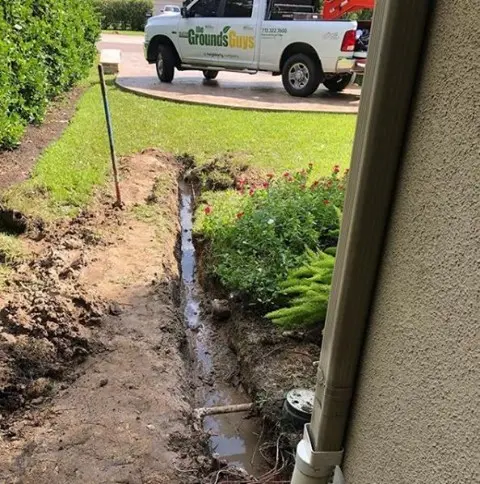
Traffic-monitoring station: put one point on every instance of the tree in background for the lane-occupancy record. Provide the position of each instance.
(124, 14)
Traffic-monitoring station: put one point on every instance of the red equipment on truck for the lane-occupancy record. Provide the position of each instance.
(334, 9)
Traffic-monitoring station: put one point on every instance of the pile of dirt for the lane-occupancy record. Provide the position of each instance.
(45, 325)
(49, 312)
(222, 173)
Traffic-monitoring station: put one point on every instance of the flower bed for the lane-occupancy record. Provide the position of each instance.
(263, 235)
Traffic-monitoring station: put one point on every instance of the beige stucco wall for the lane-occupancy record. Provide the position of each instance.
(416, 416)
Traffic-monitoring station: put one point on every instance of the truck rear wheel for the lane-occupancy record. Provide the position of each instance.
(210, 75)
(301, 75)
(338, 82)
(165, 63)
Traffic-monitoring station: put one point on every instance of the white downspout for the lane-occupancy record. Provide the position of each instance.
(395, 52)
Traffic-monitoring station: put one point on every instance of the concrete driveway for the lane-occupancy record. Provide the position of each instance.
(236, 90)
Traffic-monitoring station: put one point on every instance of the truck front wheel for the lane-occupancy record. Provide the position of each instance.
(210, 75)
(301, 75)
(165, 63)
(338, 82)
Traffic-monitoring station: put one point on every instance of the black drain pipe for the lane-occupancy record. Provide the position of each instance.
(392, 74)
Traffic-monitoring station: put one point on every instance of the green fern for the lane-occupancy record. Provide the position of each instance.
(309, 286)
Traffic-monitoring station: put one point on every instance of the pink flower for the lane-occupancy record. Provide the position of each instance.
(266, 184)
(286, 174)
(251, 191)
(336, 169)
(207, 210)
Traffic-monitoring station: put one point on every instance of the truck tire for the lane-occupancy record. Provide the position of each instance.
(165, 63)
(210, 75)
(301, 75)
(338, 83)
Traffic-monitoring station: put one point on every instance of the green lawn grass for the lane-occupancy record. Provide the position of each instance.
(70, 168)
(11, 253)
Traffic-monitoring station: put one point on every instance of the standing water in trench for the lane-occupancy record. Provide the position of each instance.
(234, 437)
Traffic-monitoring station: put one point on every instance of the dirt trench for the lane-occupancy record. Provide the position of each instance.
(94, 367)
(98, 370)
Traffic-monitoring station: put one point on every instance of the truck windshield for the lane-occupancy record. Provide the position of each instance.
(221, 8)
(204, 8)
(238, 8)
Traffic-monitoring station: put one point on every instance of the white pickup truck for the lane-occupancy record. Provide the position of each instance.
(280, 36)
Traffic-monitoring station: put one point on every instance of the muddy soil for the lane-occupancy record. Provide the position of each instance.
(234, 437)
(272, 361)
(268, 363)
(94, 371)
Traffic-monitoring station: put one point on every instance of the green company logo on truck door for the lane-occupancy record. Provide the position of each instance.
(226, 38)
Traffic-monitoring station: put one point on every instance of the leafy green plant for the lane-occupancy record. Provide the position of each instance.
(124, 14)
(46, 46)
(308, 288)
(263, 230)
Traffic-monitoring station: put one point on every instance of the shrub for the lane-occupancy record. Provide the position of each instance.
(46, 46)
(309, 289)
(124, 14)
(262, 231)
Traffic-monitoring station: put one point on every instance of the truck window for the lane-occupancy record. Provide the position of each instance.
(290, 9)
(205, 8)
(238, 8)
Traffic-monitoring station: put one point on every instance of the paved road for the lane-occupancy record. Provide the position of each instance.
(237, 90)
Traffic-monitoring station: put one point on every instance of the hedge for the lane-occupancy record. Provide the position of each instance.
(124, 14)
(46, 46)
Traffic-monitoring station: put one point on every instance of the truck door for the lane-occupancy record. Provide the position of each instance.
(239, 22)
(219, 32)
(195, 30)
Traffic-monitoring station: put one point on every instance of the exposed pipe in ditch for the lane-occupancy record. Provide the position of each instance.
(393, 64)
(223, 409)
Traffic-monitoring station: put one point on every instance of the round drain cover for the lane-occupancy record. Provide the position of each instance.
(299, 405)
